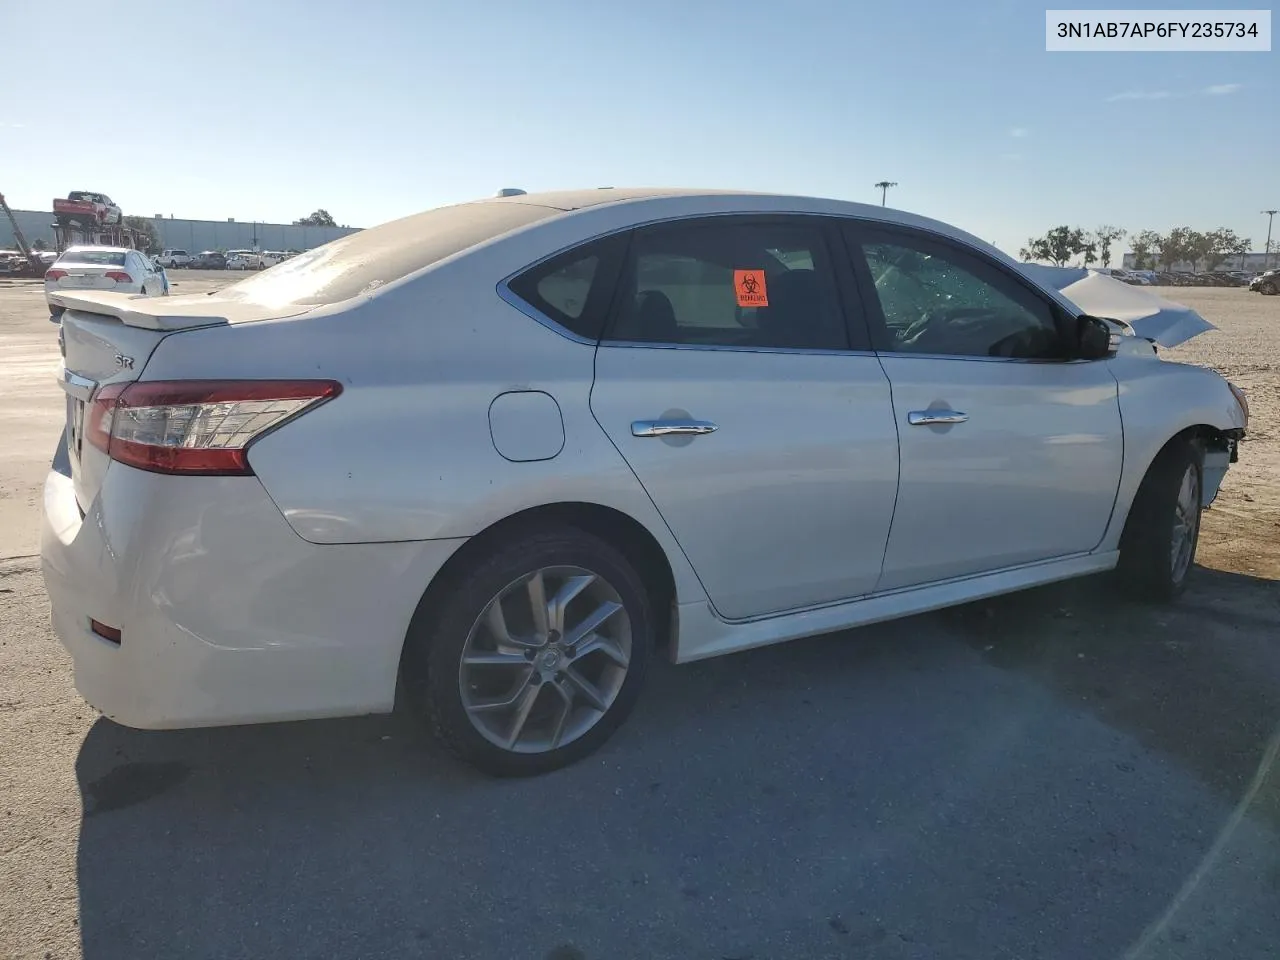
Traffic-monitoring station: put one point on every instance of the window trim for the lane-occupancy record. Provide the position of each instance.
(825, 228)
(612, 254)
(855, 232)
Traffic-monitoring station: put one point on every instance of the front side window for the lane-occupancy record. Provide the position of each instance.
(937, 300)
(730, 284)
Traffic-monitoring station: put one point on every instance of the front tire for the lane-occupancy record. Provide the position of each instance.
(532, 655)
(1267, 289)
(1158, 548)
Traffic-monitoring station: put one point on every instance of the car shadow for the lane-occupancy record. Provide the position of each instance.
(1033, 775)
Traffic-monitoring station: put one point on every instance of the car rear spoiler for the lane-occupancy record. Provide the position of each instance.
(134, 311)
(184, 312)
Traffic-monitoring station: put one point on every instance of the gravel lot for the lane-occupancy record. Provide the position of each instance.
(1058, 774)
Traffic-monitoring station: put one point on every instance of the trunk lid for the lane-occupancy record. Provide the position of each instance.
(98, 350)
(80, 277)
(107, 338)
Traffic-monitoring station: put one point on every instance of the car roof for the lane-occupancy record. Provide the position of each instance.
(590, 197)
(83, 247)
(726, 201)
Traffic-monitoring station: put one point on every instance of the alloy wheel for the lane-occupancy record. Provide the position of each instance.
(1185, 523)
(545, 660)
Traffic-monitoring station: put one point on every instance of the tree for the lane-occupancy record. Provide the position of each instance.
(320, 218)
(1145, 243)
(1224, 243)
(1240, 246)
(1103, 237)
(149, 237)
(1199, 248)
(1057, 246)
(1180, 243)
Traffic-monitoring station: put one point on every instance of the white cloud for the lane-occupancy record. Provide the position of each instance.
(1140, 95)
(1018, 131)
(1219, 89)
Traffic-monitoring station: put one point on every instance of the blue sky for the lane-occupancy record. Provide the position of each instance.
(267, 110)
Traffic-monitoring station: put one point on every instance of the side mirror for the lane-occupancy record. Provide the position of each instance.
(1093, 338)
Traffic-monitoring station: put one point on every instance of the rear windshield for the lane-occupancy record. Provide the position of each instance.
(93, 258)
(360, 262)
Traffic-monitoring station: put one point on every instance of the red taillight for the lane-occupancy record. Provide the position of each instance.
(119, 276)
(106, 633)
(98, 416)
(196, 426)
(54, 274)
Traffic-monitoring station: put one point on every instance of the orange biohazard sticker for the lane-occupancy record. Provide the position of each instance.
(750, 288)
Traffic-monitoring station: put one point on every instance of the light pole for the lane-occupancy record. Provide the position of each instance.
(884, 186)
(1266, 251)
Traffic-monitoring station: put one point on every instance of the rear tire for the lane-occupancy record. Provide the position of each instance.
(517, 696)
(1158, 547)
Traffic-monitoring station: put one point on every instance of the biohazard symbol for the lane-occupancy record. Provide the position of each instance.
(750, 287)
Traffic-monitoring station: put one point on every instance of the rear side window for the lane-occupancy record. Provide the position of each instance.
(726, 282)
(574, 288)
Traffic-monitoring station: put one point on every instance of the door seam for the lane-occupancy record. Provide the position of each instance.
(591, 408)
(897, 488)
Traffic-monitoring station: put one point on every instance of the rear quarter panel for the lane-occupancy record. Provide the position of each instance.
(1158, 400)
(405, 452)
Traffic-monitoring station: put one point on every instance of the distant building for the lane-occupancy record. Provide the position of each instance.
(1255, 262)
(192, 235)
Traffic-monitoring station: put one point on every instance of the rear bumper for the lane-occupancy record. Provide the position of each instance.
(226, 615)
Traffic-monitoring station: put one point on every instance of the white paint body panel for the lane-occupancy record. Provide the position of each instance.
(796, 485)
(288, 594)
(1031, 475)
(226, 615)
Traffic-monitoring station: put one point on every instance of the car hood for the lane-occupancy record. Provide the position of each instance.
(1149, 316)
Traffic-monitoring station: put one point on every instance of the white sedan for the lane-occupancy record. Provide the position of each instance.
(117, 269)
(242, 260)
(510, 450)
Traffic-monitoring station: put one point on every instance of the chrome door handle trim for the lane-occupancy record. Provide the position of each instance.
(77, 386)
(671, 428)
(926, 418)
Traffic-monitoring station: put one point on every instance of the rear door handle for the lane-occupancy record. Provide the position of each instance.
(671, 428)
(925, 418)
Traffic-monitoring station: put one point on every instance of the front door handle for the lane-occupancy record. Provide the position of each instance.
(671, 428)
(927, 418)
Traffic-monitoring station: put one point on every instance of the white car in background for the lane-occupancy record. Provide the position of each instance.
(114, 269)
(174, 258)
(508, 451)
(242, 260)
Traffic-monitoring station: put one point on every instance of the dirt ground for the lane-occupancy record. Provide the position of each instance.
(1242, 530)
(1055, 774)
